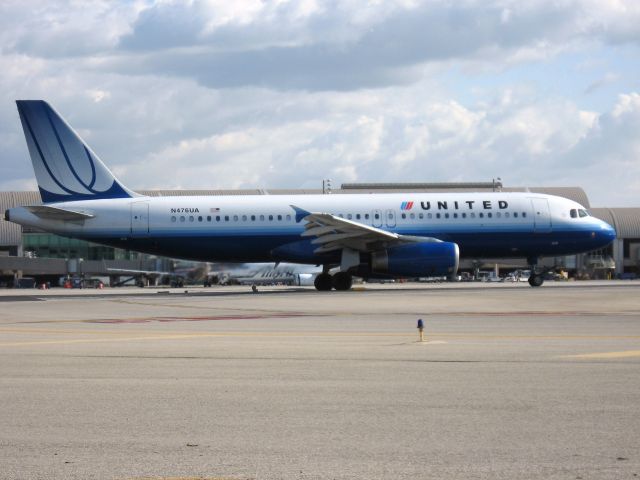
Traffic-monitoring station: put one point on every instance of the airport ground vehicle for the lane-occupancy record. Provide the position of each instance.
(518, 276)
(26, 282)
(93, 283)
(81, 282)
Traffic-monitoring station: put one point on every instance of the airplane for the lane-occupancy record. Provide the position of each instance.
(283, 273)
(248, 273)
(368, 235)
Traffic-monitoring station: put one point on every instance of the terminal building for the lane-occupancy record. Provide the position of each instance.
(46, 256)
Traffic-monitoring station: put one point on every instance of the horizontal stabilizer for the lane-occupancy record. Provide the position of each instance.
(54, 213)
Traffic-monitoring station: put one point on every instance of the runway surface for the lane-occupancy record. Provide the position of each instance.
(512, 382)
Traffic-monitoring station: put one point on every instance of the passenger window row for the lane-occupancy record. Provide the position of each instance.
(412, 216)
(357, 216)
(422, 216)
(229, 218)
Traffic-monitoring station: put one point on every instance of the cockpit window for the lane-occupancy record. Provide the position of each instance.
(575, 213)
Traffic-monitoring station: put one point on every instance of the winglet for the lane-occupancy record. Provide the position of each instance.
(300, 213)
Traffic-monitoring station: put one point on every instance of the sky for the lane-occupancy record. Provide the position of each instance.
(283, 94)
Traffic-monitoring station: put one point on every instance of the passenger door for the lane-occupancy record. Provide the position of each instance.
(541, 215)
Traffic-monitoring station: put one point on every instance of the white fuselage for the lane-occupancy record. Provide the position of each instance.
(249, 228)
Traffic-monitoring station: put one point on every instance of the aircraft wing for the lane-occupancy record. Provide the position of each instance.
(335, 233)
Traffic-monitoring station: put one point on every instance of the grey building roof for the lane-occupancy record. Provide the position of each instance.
(11, 199)
(410, 187)
(576, 194)
(11, 233)
(187, 193)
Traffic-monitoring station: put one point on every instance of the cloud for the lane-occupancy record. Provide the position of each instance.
(283, 45)
(283, 94)
(322, 56)
(309, 45)
(606, 161)
(607, 79)
(65, 28)
(373, 136)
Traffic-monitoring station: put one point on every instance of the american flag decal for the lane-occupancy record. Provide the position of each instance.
(212, 210)
(406, 205)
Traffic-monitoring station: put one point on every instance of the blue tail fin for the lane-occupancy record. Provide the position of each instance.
(66, 168)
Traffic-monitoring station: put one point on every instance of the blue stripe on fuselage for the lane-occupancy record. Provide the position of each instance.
(437, 231)
(238, 246)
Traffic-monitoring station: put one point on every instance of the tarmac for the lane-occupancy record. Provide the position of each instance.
(512, 382)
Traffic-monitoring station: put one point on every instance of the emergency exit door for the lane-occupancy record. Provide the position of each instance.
(390, 218)
(376, 218)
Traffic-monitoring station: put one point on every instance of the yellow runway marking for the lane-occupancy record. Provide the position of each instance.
(116, 333)
(79, 332)
(185, 478)
(321, 334)
(116, 330)
(197, 307)
(181, 336)
(98, 340)
(624, 354)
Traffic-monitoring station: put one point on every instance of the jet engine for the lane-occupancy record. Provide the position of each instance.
(423, 259)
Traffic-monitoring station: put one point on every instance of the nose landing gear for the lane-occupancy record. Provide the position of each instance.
(536, 278)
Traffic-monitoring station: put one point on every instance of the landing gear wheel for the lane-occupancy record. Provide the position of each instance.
(536, 280)
(323, 282)
(342, 281)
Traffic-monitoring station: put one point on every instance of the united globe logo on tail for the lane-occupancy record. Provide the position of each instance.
(65, 167)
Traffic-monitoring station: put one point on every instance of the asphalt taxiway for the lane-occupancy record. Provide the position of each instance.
(512, 382)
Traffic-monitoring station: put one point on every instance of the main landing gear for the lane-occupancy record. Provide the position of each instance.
(323, 282)
(536, 278)
(340, 281)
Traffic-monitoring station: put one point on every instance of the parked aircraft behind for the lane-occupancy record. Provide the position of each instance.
(394, 235)
(264, 274)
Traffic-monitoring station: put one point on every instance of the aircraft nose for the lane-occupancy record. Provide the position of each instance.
(611, 232)
(607, 233)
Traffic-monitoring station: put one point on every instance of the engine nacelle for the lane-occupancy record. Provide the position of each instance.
(424, 259)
